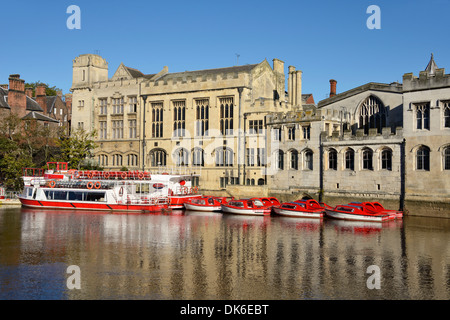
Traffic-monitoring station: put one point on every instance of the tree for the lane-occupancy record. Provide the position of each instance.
(12, 160)
(76, 148)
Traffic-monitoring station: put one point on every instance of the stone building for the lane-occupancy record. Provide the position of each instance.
(197, 121)
(426, 116)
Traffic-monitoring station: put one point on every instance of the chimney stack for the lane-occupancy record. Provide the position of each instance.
(29, 92)
(17, 99)
(332, 87)
(40, 97)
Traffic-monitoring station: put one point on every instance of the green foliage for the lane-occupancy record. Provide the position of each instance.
(49, 91)
(12, 160)
(76, 148)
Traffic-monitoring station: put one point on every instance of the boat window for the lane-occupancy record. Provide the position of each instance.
(236, 204)
(288, 206)
(94, 196)
(257, 203)
(75, 195)
(198, 201)
(345, 209)
(29, 192)
(59, 195)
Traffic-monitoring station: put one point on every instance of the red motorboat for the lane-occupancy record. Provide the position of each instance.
(253, 206)
(206, 203)
(376, 207)
(357, 212)
(301, 208)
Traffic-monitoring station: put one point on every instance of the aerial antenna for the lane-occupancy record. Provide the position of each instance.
(237, 58)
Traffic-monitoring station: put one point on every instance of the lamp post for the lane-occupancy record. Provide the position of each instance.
(143, 133)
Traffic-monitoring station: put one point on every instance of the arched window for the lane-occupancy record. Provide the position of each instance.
(372, 114)
(332, 159)
(294, 159)
(447, 114)
(132, 160)
(422, 116)
(423, 158)
(117, 160)
(261, 182)
(447, 158)
(279, 159)
(350, 159)
(386, 159)
(158, 157)
(198, 157)
(224, 157)
(367, 159)
(308, 160)
(181, 156)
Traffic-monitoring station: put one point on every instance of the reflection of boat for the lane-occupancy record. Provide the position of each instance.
(247, 207)
(59, 187)
(300, 223)
(357, 227)
(206, 203)
(356, 212)
(301, 208)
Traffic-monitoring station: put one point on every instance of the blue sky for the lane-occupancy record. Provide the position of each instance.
(325, 39)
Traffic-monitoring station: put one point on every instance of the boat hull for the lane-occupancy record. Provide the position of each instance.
(197, 207)
(357, 217)
(297, 213)
(177, 202)
(253, 212)
(96, 206)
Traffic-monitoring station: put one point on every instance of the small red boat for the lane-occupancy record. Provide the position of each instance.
(376, 207)
(357, 212)
(206, 203)
(301, 208)
(253, 206)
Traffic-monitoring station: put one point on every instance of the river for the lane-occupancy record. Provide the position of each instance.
(202, 256)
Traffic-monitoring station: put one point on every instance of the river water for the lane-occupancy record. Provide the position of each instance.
(203, 256)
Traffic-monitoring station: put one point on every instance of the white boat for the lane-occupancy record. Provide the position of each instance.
(247, 207)
(300, 208)
(58, 187)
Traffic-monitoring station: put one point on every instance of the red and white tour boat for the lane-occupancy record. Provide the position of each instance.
(59, 187)
(206, 203)
(247, 207)
(357, 212)
(2, 193)
(301, 208)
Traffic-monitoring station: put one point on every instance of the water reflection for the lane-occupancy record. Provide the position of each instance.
(198, 255)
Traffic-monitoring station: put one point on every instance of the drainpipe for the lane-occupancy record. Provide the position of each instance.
(143, 134)
(402, 175)
(245, 142)
(240, 89)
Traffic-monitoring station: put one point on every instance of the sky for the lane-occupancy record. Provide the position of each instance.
(326, 39)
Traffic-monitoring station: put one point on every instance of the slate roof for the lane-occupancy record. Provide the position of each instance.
(38, 116)
(235, 69)
(32, 105)
(3, 99)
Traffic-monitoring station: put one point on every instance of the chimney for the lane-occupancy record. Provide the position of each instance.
(29, 92)
(278, 66)
(59, 93)
(40, 97)
(332, 87)
(17, 99)
(291, 85)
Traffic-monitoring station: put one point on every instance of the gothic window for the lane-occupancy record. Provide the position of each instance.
(294, 160)
(422, 116)
(447, 114)
(255, 126)
(202, 116)
(132, 128)
(198, 157)
(181, 157)
(103, 160)
(447, 158)
(279, 160)
(226, 115)
(372, 114)
(179, 118)
(276, 133)
(386, 159)
(306, 132)
(103, 106)
(117, 129)
(251, 157)
(117, 160)
(132, 160)
(308, 160)
(133, 104)
(423, 158)
(158, 157)
(224, 157)
(332, 159)
(367, 159)
(157, 120)
(350, 159)
(291, 133)
(117, 106)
